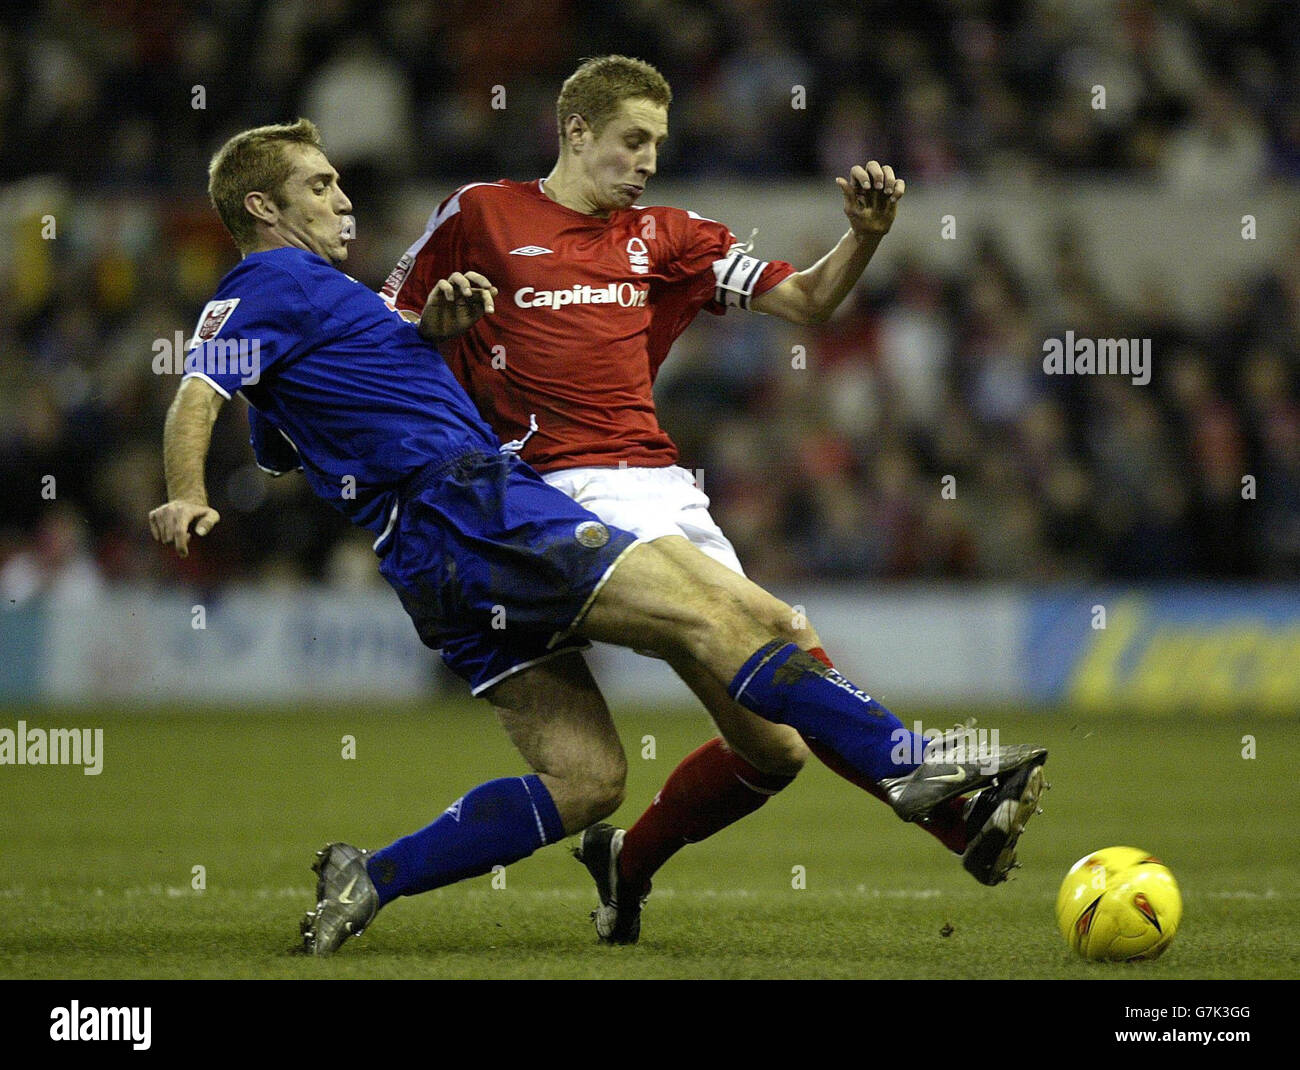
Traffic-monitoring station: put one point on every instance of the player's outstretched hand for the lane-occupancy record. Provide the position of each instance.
(170, 523)
(455, 304)
(871, 196)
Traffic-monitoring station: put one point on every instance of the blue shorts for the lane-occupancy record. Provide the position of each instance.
(494, 566)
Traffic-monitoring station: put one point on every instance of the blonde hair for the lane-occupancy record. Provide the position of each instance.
(254, 160)
(599, 85)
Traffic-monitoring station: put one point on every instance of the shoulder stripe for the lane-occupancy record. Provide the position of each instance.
(451, 205)
(399, 275)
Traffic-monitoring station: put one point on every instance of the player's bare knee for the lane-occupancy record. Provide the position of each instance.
(602, 784)
(589, 788)
(600, 794)
(778, 751)
(789, 755)
(607, 797)
(610, 787)
(806, 637)
(770, 619)
(791, 624)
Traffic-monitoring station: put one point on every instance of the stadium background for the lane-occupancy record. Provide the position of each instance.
(1171, 214)
(1124, 221)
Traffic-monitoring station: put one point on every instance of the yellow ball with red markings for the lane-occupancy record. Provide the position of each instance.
(1119, 904)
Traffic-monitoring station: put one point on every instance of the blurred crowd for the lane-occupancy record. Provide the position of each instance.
(925, 440)
(921, 439)
(1183, 91)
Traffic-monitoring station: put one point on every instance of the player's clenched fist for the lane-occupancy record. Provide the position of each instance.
(871, 196)
(170, 523)
(455, 304)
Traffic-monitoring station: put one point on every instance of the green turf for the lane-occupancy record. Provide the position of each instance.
(95, 872)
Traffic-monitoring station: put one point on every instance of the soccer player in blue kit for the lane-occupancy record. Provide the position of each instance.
(343, 387)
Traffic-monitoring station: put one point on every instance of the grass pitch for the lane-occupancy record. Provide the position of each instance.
(97, 875)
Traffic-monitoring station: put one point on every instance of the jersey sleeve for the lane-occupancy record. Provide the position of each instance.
(719, 270)
(439, 252)
(260, 319)
(709, 269)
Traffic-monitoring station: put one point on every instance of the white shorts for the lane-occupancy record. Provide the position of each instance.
(650, 503)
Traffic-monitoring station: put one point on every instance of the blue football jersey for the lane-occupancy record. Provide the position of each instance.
(361, 399)
(273, 452)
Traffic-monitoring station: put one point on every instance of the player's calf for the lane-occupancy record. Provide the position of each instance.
(776, 750)
(558, 721)
(773, 749)
(584, 799)
(585, 773)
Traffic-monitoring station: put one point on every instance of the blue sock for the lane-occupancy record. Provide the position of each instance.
(497, 823)
(781, 683)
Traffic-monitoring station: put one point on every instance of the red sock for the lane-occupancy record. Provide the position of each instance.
(945, 822)
(711, 788)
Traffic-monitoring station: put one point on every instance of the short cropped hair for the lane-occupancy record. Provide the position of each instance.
(254, 160)
(599, 85)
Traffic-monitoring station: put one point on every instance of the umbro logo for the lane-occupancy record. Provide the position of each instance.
(530, 250)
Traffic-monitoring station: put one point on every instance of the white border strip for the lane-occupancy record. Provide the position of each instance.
(209, 380)
(559, 637)
(476, 691)
(388, 528)
(541, 829)
(754, 672)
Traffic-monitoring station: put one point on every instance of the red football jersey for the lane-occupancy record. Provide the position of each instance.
(586, 312)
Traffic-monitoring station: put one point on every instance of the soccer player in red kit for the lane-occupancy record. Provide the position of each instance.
(590, 291)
